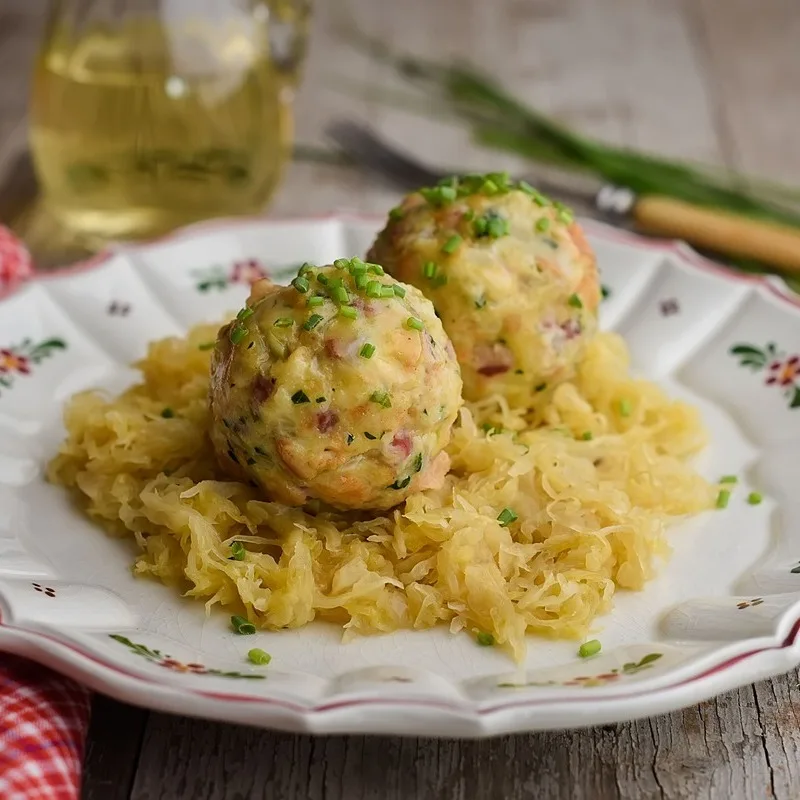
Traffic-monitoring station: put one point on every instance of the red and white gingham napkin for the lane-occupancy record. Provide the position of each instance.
(44, 717)
(15, 261)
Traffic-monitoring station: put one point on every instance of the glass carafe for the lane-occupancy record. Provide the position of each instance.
(150, 114)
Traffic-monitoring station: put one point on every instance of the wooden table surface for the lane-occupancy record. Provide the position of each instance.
(712, 80)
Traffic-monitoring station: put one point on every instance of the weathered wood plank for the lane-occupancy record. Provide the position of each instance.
(112, 749)
(716, 750)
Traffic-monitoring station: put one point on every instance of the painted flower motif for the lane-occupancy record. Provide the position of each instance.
(601, 679)
(177, 666)
(248, 271)
(19, 360)
(11, 362)
(594, 680)
(782, 371)
(168, 662)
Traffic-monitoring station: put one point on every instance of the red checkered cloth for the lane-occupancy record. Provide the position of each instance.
(15, 261)
(44, 718)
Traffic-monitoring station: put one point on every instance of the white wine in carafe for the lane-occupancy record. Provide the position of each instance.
(141, 128)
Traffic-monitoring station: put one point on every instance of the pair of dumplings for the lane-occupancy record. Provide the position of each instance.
(343, 387)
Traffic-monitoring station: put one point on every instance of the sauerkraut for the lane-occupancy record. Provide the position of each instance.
(538, 524)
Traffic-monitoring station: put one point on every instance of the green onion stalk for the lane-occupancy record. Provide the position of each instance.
(498, 120)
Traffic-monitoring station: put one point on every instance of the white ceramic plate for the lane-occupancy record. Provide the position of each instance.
(724, 611)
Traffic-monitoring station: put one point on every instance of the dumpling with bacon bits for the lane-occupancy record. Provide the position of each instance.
(509, 273)
(342, 387)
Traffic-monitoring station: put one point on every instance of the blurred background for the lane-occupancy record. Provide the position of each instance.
(202, 104)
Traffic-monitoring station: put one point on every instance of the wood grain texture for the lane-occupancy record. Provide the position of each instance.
(712, 80)
(112, 749)
(726, 748)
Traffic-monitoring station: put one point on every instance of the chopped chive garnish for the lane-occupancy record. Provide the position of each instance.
(575, 301)
(565, 217)
(429, 270)
(417, 465)
(283, 322)
(586, 436)
(206, 346)
(323, 279)
(315, 301)
(729, 479)
(480, 227)
(387, 291)
(357, 267)
(489, 187)
(340, 295)
(401, 483)
(375, 269)
(301, 284)
(341, 263)
(300, 397)
(497, 227)
(625, 407)
(307, 267)
(542, 224)
(754, 498)
(245, 313)
(362, 280)
(237, 552)
(374, 289)
(396, 214)
(524, 186)
(484, 639)
(723, 497)
(381, 398)
(540, 200)
(242, 626)
(348, 312)
(414, 323)
(167, 413)
(506, 516)
(367, 350)
(451, 245)
(370, 436)
(439, 195)
(237, 334)
(259, 656)
(350, 438)
(312, 322)
(590, 648)
(399, 290)
(440, 280)
(320, 399)
(604, 292)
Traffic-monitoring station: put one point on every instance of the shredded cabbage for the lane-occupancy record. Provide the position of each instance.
(594, 480)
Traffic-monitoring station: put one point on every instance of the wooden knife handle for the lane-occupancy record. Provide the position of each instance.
(722, 231)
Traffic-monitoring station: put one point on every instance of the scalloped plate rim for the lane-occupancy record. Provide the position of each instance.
(449, 719)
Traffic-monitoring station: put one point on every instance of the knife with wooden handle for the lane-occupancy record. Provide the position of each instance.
(721, 231)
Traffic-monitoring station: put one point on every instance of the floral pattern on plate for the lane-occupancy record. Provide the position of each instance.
(782, 370)
(166, 661)
(18, 360)
(246, 271)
